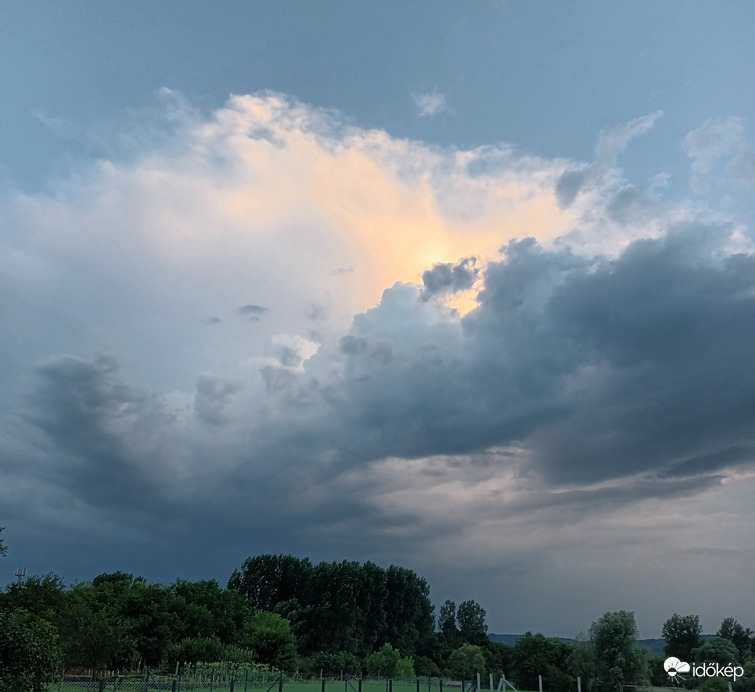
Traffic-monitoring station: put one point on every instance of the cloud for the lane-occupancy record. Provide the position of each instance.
(213, 399)
(430, 103)
(595, 388)
(100, 433)
(55, 125)
(252, 312)
(577, 361)
(610, 145)
(716, 141)
(447, 278)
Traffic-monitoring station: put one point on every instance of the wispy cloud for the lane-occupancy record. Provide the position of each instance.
(252, 312)
(430, 103)
(719, 141)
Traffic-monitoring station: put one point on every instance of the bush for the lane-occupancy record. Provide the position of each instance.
(330, 664)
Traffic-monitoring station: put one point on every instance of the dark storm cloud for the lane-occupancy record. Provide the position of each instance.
(90, 419)
(600, 368)
(448, 278)
(252, 312)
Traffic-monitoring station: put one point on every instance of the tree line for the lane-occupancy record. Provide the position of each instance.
(332, 618)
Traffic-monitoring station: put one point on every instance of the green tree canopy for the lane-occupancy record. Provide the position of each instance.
(3, 547)
(716, 650)
(682, 634)
(340, 606)
(739, 636)
(29, 652)
(44, 596)
(470, 619)
(466, 661)
(447, 620)
(534, 655)
(619, 661)
(269, 636)
(384, 662)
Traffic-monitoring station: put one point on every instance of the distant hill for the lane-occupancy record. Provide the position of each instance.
(655, 645)
(510, 639)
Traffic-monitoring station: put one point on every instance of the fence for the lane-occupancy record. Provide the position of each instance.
(245, 681)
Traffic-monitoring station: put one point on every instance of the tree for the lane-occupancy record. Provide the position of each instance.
(739, 636)
(29, 652)
(409, 612)
(716, 650)
(383, 663)
(498, 658)
(682, 634)
(270, 637)
(470, 619)
(581, 662)
(535, 655)
(447, 621)
(466, 661)
(271, 579)
(3, 547)
(405, 668)
(95, 637)
(44, 596)
(619, 661)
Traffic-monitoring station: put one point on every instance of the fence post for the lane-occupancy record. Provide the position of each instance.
(417, 684)
(579, 684)
(491, 682)
(440, 684)
(322, 682)
(540, 683)
(101, 687)
(390, 685)
(175, 685)
(479, 689)
(280, 683)
(360, 684)
(246, 678)
(231, 689)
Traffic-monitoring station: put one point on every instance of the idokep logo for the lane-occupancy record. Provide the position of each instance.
(673, 666)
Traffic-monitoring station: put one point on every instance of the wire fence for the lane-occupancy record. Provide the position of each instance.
(244, 681)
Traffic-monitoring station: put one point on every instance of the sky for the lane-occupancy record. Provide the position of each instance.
(463, 287)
